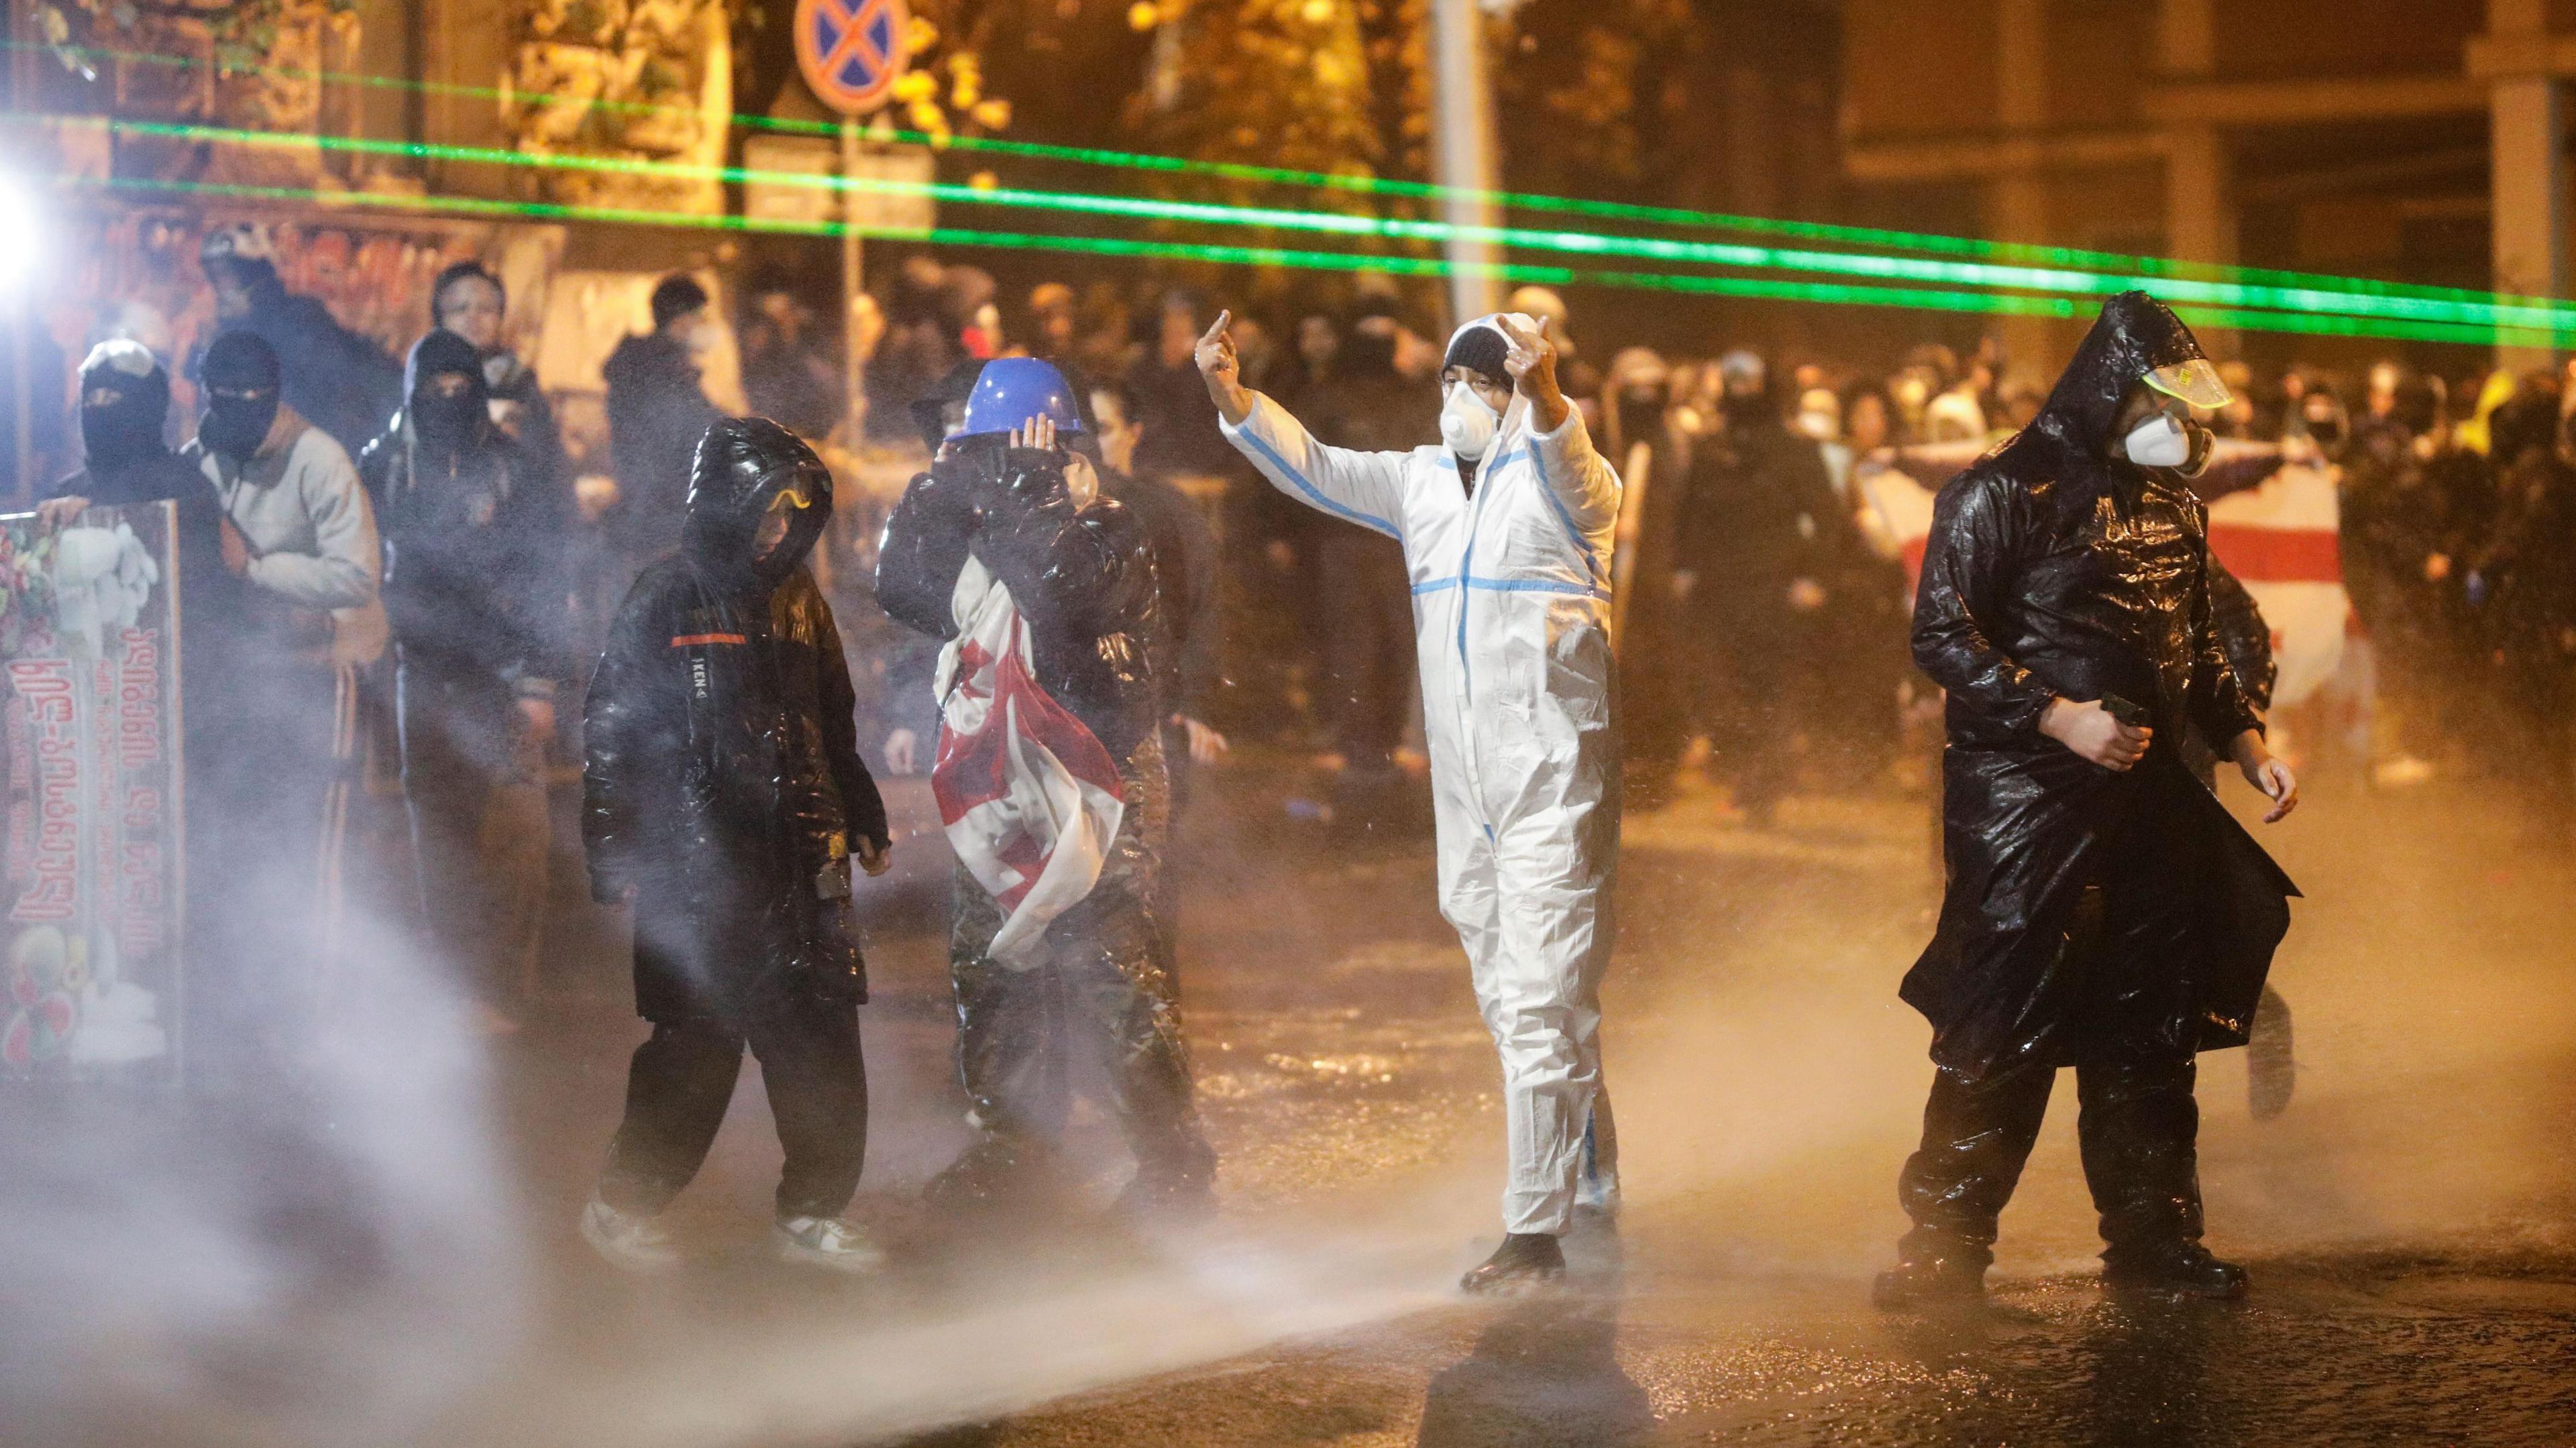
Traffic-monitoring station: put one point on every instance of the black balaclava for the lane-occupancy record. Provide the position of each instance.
(445, 425)
(244, 365)
(1369, 352)
(125, 398)
(741, 466)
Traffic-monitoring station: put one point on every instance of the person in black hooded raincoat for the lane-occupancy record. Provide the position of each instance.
(477, 595)
(724, 796)
(2104, 910)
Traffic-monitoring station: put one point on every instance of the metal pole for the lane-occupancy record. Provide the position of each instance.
(1464, 115)
(853, 353)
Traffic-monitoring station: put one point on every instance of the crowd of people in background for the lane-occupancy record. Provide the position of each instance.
(411, 562)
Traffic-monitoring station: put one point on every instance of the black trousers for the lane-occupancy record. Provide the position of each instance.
(2131, 1046)
(1755, 702)
(682, 1079)
(1101, 988)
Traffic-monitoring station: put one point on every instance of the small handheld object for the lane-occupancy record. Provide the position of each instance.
(2126, 712)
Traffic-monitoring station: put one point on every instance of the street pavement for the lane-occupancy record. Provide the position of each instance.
(2410, 1220)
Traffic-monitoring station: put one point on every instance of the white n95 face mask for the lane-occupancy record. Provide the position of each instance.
(2164, 441)
(1467, 422)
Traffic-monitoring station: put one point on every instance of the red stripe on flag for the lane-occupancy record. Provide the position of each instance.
(2278, 555)
(682, 641)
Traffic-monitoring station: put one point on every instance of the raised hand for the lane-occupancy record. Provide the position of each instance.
(1223, 370)
(1530, 358)
(1037, 433)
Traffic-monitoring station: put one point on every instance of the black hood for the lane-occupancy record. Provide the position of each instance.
(741, 466)
(2135, 335)
(446, 424)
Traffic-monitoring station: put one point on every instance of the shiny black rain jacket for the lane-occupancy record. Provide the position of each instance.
(1083, 579)
(2054, 569)
(723, 773)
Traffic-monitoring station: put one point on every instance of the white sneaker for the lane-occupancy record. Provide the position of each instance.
(834, 1242)
(628, 1240)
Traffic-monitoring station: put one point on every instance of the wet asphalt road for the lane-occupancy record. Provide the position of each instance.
(2411, 1221)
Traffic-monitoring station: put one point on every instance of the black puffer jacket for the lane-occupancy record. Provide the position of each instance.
(1082, 578)
(724, 774)
(2055, 570)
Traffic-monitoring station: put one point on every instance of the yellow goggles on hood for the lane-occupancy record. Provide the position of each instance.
(795, 497)
(2196, 382)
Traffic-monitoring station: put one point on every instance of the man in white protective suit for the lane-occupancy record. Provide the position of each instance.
(1506, 530)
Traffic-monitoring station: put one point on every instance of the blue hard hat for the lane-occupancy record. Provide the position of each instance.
(1015, 391)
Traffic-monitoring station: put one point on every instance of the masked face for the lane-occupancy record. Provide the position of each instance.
(445, 411)
(1467, 421)
(2324, 428)
(237, 419)
(120, 416)
(2163, 440)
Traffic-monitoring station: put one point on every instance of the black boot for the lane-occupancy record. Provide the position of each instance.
(999, 1170)
(2177, 1270)
(2140, 1130)
(1976, 1136)
(1930, 1273)
(1526, 1262)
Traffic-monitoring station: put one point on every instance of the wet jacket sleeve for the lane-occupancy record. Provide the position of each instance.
(1969, 564)
(1578, 479)
(1358, 487)
(862, 808)
(2220, 704)
(632, 731)
(343, 568)
(1083, 571)
(926, 542)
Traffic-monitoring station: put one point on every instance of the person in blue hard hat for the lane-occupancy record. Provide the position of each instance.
(1051, 783)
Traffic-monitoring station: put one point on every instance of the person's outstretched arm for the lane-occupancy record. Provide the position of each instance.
(1357, 487)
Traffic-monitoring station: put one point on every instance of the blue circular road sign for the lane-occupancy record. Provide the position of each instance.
(851, 51)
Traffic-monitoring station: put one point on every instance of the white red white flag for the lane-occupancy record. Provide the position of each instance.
(1029, 795)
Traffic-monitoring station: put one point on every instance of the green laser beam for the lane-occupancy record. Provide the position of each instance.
(1836, 263)
(1912, 298)
(2296, 286)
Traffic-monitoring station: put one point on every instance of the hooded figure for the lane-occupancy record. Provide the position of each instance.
(476, 589)
(724, 796)
(2104, 910)
(124, 405)
(341, 382)
(309, 564)
(1051, 782)
(657, 412)
(1768, 546)
(1507, 530)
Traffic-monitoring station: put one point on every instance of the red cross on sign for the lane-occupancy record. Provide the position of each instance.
(851, 51)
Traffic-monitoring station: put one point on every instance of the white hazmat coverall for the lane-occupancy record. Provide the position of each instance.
(1511, 614)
